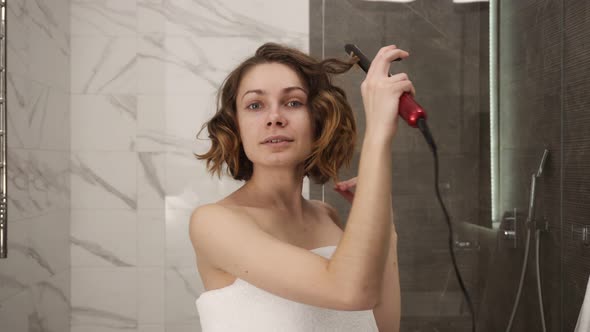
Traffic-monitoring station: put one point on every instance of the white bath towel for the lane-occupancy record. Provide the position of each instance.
(583, 324)
(243, 307)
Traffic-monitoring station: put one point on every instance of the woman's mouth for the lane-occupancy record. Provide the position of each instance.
(277, 142)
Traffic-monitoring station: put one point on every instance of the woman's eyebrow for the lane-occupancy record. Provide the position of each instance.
(291, 88)
(285, 90)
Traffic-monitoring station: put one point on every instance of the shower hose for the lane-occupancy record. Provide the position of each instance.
(522, 274)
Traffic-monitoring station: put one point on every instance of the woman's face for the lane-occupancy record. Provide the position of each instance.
(272, 101)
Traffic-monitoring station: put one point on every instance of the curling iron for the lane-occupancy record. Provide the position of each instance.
(409, 109)
(414, 115)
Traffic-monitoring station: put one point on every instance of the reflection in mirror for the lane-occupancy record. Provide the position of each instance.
(449, 64)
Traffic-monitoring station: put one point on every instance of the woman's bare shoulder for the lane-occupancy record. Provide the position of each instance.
(231, 209)
(221, 209)
(328, 210)
(216, 218)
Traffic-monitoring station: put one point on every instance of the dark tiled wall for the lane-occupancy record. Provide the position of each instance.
(449, 67)
(544, 82)
(576, 156)
(529, 121)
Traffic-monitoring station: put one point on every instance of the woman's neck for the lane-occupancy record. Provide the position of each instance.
(277, 189)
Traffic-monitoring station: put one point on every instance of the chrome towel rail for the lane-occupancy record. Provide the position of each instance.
(3, 147)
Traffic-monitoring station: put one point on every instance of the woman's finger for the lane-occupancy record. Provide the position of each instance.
(346, 184)
(399, 77)
(382, 61)
(348, 195)
(405, 86)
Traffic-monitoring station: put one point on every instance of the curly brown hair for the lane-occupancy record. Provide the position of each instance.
(332, 116)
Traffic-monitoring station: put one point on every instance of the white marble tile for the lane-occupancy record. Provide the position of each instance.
(103, 238)
(151, 123)
(38, 182)
(183, 286)
(49, 64)
(151, 238)
(49, 48)
(185, 115)
(52, 303)
(151, 180)
(104, 65)
(103, 180)
(227, 185)
(188, 184)
(186, 327)
(251, 19)
(154, 328)
(18, 38)
(49, 236)
(151, 299)
(101, 328)
(104, 18)
(169, 124)
(179, 249)
(35, 252)
(16, 313)
(37, 115)
(55, 131)
(104, 299)
(38, 42)
(103, 122)
(53, 18)
(16, 269)
(174, 65)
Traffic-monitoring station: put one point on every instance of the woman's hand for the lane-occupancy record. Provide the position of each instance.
(343, 188)
(381, 93)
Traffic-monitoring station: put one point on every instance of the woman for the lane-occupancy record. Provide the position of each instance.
(270, 259)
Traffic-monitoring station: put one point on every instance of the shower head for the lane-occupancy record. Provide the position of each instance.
(542, 164)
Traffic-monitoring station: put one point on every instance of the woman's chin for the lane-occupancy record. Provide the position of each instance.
(281, 162)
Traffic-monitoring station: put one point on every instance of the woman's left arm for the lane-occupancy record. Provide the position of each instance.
(387, 312)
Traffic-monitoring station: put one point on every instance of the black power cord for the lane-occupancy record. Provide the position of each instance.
(428, 136)
(365, 63)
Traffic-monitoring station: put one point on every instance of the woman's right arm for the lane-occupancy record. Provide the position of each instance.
(234, 243)
(363, 249)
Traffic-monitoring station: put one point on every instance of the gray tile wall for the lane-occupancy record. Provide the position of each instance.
(448, 65)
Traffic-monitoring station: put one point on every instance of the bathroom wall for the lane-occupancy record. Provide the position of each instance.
(529, 120)
(35, 278)
(575, 259)
(543, 66)
(144, 77)
(108, 183)
(448, 65)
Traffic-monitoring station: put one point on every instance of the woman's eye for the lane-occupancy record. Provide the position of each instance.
(253, 106)
(294, 103)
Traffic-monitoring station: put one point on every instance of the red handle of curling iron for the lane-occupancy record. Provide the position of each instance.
(408, 109)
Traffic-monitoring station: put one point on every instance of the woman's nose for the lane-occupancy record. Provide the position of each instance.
(276, 117)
